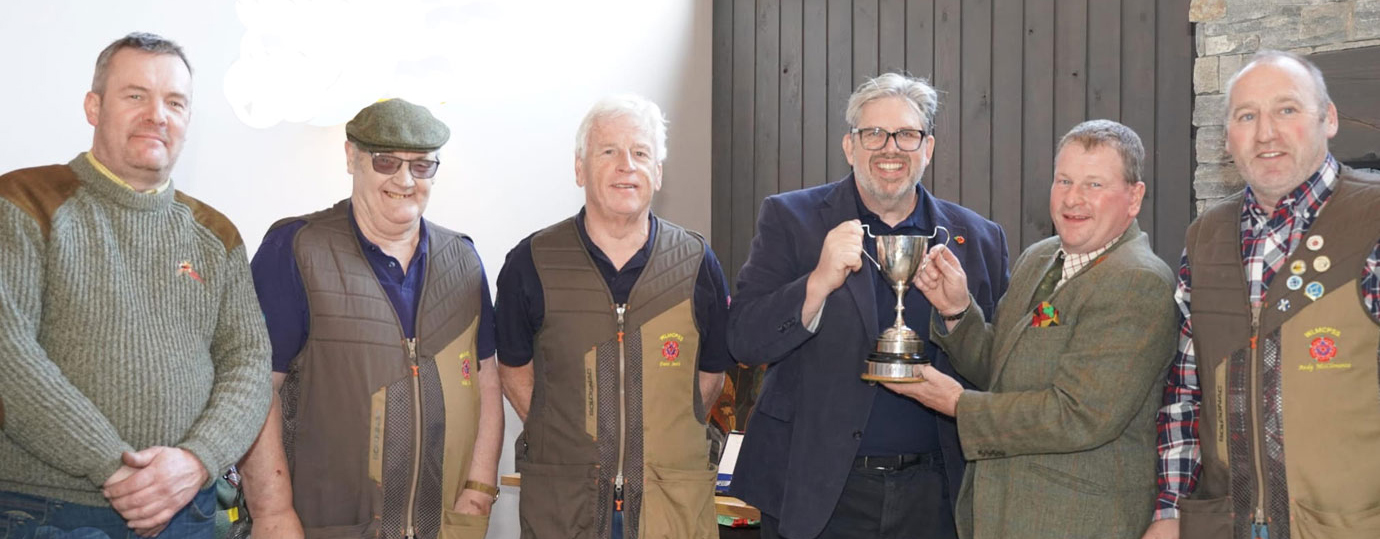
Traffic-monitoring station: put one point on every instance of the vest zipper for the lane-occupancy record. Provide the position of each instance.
(416, 437)
(1259, 528)
(621, 309)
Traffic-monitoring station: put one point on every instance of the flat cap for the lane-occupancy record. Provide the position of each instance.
(396, 125)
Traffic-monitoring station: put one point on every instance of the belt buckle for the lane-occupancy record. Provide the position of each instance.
(888, 464)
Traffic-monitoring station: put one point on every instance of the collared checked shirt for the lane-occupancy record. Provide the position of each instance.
(1075, 263)
(1267, 239)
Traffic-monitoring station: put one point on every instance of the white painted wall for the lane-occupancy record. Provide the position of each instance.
(511, 78)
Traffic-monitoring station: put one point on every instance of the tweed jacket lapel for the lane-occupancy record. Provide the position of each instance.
(1028, 280)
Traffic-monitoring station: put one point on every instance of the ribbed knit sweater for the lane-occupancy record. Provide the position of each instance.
(127, 320)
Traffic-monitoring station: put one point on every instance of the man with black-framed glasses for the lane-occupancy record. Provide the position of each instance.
(828, 454)
(389, 418)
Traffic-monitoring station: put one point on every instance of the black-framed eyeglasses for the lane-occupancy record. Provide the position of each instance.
(388, 165)
(874, 138)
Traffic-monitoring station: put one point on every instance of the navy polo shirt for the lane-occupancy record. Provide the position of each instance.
(283, 297)
(899, 425)
(522, 305)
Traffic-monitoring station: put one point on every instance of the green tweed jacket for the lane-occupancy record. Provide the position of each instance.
(1061, 441)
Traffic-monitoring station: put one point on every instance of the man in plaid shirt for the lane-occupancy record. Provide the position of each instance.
(1272, 375)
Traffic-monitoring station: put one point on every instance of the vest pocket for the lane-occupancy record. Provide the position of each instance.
(557, 500)
(460, 526)
(1309, 522)
(679, 504)
(1205, 518)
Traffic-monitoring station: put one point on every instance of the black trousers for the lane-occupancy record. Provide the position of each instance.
(911, 503)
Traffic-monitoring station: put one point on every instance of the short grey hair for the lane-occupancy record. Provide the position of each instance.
(1271, 56)
(915, 91)
(1106, 133)
(638, 108)
(143, 41)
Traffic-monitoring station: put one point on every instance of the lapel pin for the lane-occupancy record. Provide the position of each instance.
(1314, 290)
(1294, 282)
(1314, 242)
(1283, 305)
(1298, 267)
(1322, 263)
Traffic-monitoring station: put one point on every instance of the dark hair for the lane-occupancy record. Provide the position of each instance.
(143, 41)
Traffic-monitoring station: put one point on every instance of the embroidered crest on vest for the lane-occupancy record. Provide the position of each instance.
(1322, 348)
(465, 368)
(670, 349)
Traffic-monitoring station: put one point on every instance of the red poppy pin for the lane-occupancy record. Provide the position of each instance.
(185, 268)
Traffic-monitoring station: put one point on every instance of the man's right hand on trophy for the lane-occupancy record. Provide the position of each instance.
(943, 282)
(840, 256)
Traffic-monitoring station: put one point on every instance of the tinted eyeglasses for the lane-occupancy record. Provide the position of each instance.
(388, 165)
(874, 138)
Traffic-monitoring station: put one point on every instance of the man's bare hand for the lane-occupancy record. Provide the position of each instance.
(1163, 529)
(943, 282)
(166, 479)
(939, 392)
(840, 256)
(473, 502)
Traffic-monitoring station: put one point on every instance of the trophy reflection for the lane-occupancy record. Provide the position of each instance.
(899, 352)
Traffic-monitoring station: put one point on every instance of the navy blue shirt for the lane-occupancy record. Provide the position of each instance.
(283, 297)
(522, 305)
(899, 425)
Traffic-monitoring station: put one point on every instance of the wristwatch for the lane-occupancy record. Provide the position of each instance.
(956, 316)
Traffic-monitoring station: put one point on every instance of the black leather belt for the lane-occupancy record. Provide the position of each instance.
(897, 462)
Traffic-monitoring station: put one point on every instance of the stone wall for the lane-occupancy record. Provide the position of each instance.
(1227, 32)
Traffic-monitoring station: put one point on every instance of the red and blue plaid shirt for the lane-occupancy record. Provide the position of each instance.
(1267, 239)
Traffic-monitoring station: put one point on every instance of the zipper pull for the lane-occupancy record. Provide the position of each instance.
(618, 493)
(1259, 528)
(620, 308)
(411, 349)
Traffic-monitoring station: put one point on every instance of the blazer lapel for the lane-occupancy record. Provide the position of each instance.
(1022, 289)
(841, 205)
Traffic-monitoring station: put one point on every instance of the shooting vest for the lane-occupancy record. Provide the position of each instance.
(616, 387)
(1290, 415)
(379, 429)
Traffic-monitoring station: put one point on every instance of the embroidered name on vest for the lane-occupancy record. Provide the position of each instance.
(1322, 348)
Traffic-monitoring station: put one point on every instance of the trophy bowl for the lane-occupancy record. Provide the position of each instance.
(899, 352)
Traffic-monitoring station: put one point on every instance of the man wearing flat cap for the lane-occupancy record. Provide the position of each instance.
(388, 417)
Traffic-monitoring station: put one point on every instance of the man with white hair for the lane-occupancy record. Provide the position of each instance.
(611, 348)
(1270, 426)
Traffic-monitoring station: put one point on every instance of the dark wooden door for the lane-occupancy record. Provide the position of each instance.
(1013, 77)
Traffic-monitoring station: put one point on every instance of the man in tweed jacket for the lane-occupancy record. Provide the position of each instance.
(1061, 436)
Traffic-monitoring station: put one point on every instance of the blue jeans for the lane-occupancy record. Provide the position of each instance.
(32, 517)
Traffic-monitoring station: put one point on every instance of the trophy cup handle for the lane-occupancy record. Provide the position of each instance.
(947, 236)
(874, 261)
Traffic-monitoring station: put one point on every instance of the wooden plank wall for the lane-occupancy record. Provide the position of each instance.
(1013, 76)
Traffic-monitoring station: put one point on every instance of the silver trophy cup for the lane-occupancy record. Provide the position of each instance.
(900, 352)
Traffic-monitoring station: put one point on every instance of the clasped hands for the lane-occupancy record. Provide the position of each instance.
(153, 485)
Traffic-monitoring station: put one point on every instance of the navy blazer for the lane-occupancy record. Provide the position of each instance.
(807, 424)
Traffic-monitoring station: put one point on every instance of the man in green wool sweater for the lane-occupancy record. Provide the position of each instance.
(134, 356)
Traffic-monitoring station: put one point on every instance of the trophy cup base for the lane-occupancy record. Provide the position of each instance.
(894, 369)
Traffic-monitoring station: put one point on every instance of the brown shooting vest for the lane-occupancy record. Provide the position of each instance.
(379, 430)
(588, 406)
(1289, 424)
